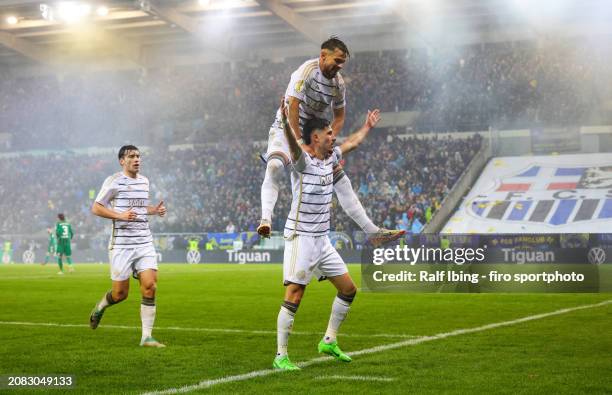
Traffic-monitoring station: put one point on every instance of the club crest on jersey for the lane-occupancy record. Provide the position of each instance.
(549, 195)
(326, 180)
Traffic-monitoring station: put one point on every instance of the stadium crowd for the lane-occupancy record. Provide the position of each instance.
(215, 188)
(502, 85)
(402, 182)
(219, 107)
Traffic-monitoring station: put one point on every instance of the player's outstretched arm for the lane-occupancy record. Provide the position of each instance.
(356, 138)
(101, 211)
(294, 146)
(160, 209)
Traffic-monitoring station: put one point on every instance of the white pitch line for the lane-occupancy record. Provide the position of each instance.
(217, 330)
(259, 373)
(356, 378)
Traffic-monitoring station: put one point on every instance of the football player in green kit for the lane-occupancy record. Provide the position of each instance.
(63, 231)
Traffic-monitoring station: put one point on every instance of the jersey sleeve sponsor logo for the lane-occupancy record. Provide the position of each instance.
(299, 86)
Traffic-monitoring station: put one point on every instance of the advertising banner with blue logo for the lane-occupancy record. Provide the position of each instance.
(539, 194)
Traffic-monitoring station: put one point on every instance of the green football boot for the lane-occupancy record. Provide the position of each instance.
(333, 350)
(283, 363)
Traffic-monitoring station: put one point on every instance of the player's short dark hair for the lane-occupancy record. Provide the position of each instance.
(311, 125)
(61, 217)
(123, 150)
(334, 42)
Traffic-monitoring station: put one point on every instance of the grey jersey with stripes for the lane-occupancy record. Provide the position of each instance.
(120, 193)
(319, 95)
(312, 184)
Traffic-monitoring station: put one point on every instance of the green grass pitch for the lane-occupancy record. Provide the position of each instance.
(219, 321)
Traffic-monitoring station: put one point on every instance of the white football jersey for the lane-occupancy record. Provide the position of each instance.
(120, 193)
(319, 95)
(312, 184)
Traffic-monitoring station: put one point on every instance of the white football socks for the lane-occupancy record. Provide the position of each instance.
(340, 309)
(270, 187)
(147, 317)
(105, 301)
(352, 206)
(284, 325)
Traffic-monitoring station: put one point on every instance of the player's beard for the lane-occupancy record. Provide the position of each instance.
(330, 74)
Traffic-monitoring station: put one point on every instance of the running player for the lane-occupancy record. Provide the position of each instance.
(124, 198)
(308, 249)
(64, 234)
(316, 90)
(52, 245)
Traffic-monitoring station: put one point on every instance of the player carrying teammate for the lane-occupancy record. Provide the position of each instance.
(316, 90)
(307, 245)
(124, 198)
(52, 246)
(64, 234)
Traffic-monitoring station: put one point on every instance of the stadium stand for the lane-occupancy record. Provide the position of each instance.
(207, 187)
(218, 107)
(504, 85)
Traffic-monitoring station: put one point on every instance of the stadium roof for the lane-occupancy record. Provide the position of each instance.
(151, 33)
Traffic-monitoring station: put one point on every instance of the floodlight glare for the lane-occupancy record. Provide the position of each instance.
(12, 20)
(72, 12)
(227, 4)
(102, 11)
